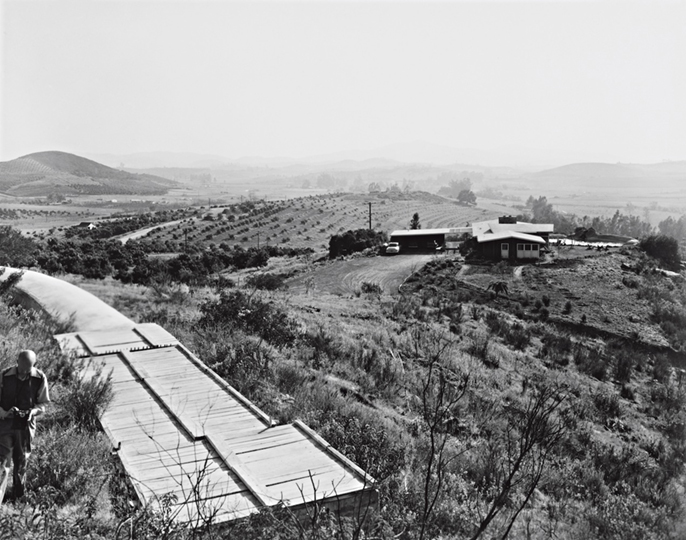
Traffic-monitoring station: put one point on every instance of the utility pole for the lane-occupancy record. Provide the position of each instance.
(370, 215)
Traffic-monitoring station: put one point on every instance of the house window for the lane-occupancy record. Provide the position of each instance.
(504, 247)
(534, 247)
(527, 247)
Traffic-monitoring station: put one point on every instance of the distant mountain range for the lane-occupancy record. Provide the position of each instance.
(616, 175)
(44, 173)
(412, 152)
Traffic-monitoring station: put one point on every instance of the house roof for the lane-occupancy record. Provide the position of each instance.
(506, 235)
(420, 232)
(482, 227)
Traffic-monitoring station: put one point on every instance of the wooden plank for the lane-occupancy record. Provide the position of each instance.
(187, 485)
(325, 485)
(332, 451)
(294, 452)
(262, 440)
(237, 395)
(102, 343)
(277, 477)
(258, 490)
(220, 510)
(155, 334)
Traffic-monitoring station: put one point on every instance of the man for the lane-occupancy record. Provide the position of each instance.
(23, 396)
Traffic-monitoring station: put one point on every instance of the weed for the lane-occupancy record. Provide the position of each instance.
(607, 405)
(623, 368)
(662, 369)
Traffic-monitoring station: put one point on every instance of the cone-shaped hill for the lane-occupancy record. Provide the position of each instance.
(43, 173)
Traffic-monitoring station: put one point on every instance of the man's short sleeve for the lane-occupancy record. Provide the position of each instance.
(43, 393)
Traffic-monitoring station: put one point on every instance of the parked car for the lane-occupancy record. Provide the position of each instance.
(393, 248)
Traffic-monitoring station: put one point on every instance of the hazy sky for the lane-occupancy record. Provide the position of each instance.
(303, 78)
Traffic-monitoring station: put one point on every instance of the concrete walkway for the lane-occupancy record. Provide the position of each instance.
(65, 302)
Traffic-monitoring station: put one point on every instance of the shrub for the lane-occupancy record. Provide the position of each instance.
(590, 362)
(250, 313)
(607, 405)
(663, 248)
(85, 400)
(568, 307)
(71, 462)
(623, 368)
(662, 369)
(479, 347)
(518, 336)
(631, 282)
(368, 287)
(355, 241)
(267, 282)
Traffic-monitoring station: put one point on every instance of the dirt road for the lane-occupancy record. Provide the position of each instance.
(140, 233)
(346, 277)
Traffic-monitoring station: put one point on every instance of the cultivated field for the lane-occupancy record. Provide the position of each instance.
(311, 221)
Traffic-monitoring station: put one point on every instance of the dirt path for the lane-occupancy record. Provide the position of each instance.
(135, 235)
(346, 277)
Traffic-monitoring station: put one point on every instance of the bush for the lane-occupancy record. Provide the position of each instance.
(267, 282)
(371, 288)
(607, 405)
(518, 336)
(85, 400)
(623, 369)
(590, 362)
(662, 369)
(663, 248)
(355, 241)
(71, 462)
(249, 313)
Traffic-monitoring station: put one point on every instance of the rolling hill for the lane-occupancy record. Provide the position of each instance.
(657, 176)
(43, 173)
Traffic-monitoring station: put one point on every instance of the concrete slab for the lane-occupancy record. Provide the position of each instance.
(65, 302)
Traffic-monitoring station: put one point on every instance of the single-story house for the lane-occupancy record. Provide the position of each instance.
(509, 245)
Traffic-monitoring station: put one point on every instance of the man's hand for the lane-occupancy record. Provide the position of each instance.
(13, 412)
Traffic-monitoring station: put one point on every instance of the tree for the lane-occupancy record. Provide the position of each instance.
(663, 248)
(466, 197)
(442, 386)
(518, 456)
(16, 249)
(498, 287)
(414, 222)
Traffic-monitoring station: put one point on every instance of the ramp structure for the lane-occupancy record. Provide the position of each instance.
(185, 437)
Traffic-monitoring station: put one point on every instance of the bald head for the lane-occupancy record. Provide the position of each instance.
(25, 361)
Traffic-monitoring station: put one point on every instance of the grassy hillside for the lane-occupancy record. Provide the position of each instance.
(552, 410)
(43, 173)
